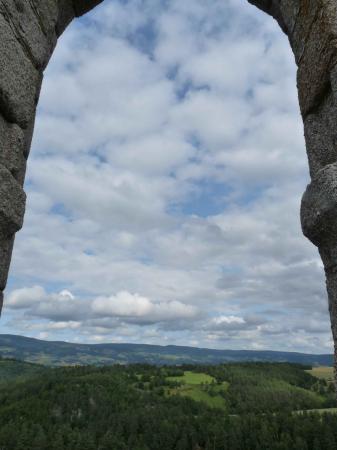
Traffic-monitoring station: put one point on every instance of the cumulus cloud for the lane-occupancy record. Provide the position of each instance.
(171, 166)
(134, 306)
(25, 297)
(64, 310)
(38, 303)
(227, 320)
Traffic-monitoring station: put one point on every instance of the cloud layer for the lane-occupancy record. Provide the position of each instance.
(164, 186)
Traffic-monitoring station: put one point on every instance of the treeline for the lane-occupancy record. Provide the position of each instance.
(11, 369)
(128, 408)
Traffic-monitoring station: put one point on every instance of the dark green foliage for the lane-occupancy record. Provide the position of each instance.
(129, 408)
(263, 387)
(11, 369)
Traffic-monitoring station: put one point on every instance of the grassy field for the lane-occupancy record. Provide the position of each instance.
(200, 387)
(326, 373)
(193, 378)
(199, 395)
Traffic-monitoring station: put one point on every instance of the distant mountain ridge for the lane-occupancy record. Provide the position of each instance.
(57, 353)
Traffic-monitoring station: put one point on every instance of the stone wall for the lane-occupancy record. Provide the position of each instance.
(29, 30)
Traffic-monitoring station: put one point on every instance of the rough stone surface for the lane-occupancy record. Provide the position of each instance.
(24, 22)
(19, 79)
(321, 122)
(28, 34)
(12, 203)
(12, 150)
(6, 247)
(47, 12)
(319, 207)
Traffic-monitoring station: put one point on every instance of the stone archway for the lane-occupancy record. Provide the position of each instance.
(28, 35)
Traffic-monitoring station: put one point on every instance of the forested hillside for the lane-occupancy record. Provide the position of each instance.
(141, 407)
(16, 370)
(66, 353)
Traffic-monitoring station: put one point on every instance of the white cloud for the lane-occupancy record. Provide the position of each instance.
(64, 310)
(127, 305)
(25, 297)
(225, 320)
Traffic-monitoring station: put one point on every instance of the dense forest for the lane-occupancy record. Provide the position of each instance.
(247, 406)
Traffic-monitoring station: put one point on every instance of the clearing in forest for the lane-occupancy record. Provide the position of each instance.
(325, 373)
(200, 387)
(193, 378)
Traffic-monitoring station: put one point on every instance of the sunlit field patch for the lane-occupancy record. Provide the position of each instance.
(193, 378)
(325, 373)
(200, 387)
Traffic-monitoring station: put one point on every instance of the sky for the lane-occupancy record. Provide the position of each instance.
(164, 186)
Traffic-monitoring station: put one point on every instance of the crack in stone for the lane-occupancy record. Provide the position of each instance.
(38, 17)
(25, 48)
(298, 14)
(306, 38)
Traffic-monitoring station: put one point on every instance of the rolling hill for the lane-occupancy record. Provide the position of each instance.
(57, 353)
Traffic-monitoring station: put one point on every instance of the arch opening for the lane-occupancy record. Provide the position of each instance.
(316, 99)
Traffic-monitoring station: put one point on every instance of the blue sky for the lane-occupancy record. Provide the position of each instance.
(164, 186)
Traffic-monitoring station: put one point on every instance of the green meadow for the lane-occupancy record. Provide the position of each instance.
(322, 372)
(199, 387)
(193, 378)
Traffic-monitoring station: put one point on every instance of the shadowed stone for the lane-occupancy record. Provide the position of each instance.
(12, 203)
(19, 79)
(6, 247)
(83, 6)
(319, 208)
(12, 151)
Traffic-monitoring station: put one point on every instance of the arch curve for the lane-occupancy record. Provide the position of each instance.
(28, 35)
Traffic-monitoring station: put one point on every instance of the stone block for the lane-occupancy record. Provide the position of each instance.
(12, 203)
(321, 134)
(289, 10)
(305, 15)
(19, 80)
(26, 26)
(319, 208)
(12, 149)
(47, 12)
(319, 54)
(6, 249)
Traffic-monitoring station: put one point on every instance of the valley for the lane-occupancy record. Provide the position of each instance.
(236, 406)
